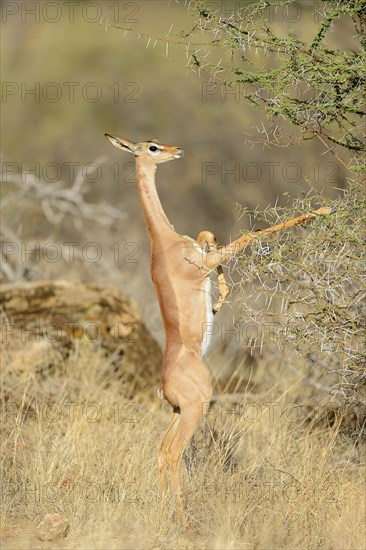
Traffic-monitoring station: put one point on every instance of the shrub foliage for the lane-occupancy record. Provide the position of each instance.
(308, 286)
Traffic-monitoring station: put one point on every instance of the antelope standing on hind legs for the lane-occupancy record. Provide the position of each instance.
(180, 270)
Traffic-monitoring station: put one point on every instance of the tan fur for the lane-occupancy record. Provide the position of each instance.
(179, 269)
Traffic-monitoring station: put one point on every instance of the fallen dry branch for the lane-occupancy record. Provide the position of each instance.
(39, 319)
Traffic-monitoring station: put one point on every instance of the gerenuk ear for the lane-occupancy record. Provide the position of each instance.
(122, 143)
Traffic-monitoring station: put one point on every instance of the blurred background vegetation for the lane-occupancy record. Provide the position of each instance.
(72, 72)
(122, 84)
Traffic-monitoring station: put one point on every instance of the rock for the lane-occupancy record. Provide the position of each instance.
(52, 526)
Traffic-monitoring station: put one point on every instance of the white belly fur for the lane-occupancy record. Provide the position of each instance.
(207, 337)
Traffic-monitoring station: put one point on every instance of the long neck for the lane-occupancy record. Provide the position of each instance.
(157, 223)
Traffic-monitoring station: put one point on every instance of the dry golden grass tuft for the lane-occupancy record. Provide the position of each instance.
(258, 474)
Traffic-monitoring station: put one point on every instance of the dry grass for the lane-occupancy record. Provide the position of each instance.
(257, 475)
(261, 475)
